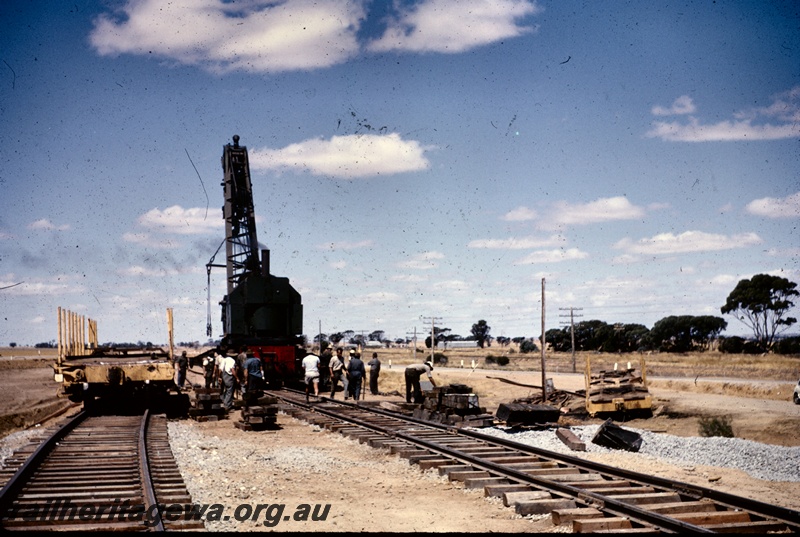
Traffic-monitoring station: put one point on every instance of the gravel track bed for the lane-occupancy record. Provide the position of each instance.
(762, 461)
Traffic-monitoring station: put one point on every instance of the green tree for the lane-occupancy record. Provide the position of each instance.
(762, 303)
(526, 346)
(440, 336)
(684, 333)
(481, 332)
(376, 335)
(559, 339)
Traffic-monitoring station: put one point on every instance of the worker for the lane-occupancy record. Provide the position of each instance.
(311, 368)
(229, 372)
(374, 371)
(346, 377)
(181, 365)
(208, 370)
(356, 372)
(413, 374)
(253, 375)
(336, 367)
(241, 358)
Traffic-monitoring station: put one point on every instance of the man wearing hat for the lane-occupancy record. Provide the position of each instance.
(413, 374)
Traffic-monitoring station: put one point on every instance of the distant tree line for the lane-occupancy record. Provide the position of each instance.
(761, 303)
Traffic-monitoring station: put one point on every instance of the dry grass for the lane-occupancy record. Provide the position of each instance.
(689, 365)
(692, 372)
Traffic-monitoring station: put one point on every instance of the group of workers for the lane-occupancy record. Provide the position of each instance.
(247, 373)
(350, 373)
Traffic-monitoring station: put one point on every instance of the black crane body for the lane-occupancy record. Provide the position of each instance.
(261, 312)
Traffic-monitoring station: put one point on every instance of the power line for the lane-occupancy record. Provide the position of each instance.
(433, 321)
(571, 330)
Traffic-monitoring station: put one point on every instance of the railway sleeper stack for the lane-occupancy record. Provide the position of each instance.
(454, 404)
(259, 412)
(206, 404)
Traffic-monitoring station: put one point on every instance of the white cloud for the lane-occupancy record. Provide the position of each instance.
(338, 265)
(345, 245)
(625, 259)
(728, 207)
(721, 280)
(681, 105)
(57, 285)
(724, 131)
(784, 252)
(520, 214)
(552, 256)
(423, 261)
(452, 285)
(514, 243)
(176, 219)
(788, 207)
(600, 210)
(785, 109)
(46, 225)
(157, 271)
(348, 157)
(452, 27)
(379, 297)
(409, 278)
(687, 242)
(147, 240)
(220, 36)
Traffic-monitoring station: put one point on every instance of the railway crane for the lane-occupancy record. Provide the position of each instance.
(260, 311)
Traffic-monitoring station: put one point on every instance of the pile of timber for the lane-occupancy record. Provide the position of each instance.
(454, 404)
(206, 404)
(259, 412)
(521, 414)
(614, 391)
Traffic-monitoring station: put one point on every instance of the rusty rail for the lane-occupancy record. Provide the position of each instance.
(590, 496)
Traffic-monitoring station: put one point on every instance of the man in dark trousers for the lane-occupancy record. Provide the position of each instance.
(181, 365)
(413, 373)
(374, 371)
(336, 367)
(355, 372)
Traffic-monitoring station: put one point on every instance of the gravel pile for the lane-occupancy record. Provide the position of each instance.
(762, 461)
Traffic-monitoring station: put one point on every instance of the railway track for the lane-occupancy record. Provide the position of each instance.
(97, 473)
(592, 497)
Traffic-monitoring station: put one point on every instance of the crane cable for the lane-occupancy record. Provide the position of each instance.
(208, 289)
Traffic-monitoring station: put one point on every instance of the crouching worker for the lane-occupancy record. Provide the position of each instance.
(413, 374)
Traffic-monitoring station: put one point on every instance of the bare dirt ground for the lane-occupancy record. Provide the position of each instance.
(400, 500)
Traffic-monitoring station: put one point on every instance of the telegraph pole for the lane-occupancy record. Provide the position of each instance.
(572, 330)
(544, 344)
(433, 321)
(415, 342)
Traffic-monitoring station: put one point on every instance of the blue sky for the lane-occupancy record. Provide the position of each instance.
(409, 159)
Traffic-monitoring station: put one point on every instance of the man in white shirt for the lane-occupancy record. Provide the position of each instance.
(227, 369)
(413, 373)
(311, 368)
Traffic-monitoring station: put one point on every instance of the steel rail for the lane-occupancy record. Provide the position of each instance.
(14, 485)
(785, 515)
(758, 509)
(150, 501)
(637, 514)
(136, 465)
